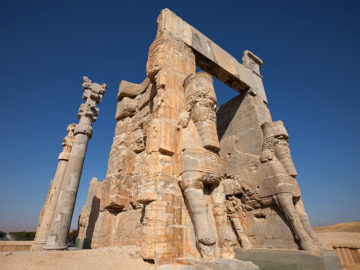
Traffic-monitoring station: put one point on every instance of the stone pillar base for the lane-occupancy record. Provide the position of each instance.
(82, 243)
(37, 245)
(188, 263)
(55, 247)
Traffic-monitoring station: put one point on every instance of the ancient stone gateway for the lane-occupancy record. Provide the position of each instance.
(188, 182)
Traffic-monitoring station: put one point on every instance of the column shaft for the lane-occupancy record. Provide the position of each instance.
(60, 226)
(49, 207)
(47, 213)
(93, 94)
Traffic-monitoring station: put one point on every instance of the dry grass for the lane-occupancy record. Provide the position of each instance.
(340, 227)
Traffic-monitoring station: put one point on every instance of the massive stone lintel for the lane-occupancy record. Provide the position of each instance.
(212, 58)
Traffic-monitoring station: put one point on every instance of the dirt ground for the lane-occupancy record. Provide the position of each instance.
(120, 258)
(345, 239)
(340, 227)
(123, 258)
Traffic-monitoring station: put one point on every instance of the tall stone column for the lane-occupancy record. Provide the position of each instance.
(47, 213)
(88, 112)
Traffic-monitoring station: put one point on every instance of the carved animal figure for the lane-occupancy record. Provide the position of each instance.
(276, 161)
(201, 170)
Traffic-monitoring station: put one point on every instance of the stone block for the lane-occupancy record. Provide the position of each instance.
(217, 264)
(288, 259)
(166, 138)
(128, 89)
(126, 107)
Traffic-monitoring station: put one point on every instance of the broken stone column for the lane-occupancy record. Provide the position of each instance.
(47, 213)
(93, 93)
(89, 215)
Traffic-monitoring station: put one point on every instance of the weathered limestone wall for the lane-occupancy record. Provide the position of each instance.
(239, 127)
(118, 211)
(346, 244)
(141, 201)
(348, 256)
(242, 117)
(15, 245)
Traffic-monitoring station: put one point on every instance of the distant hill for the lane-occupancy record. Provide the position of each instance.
(340, 227)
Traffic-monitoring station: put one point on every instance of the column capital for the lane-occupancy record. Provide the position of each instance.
(93, 94)
(67, 143)
(83, 129)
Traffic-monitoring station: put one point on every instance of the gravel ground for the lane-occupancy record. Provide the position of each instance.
(120, 258)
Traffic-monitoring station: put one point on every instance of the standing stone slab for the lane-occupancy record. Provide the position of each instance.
(289, 259)
(89, 215)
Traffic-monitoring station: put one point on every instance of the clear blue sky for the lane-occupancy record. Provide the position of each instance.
(311, 54)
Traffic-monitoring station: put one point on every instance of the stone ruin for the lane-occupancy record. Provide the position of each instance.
(188, 181)
(55, 217)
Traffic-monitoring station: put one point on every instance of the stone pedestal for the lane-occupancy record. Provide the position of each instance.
(267, 259)
(188, 263)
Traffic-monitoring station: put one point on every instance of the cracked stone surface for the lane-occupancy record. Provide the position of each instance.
(186, 179)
